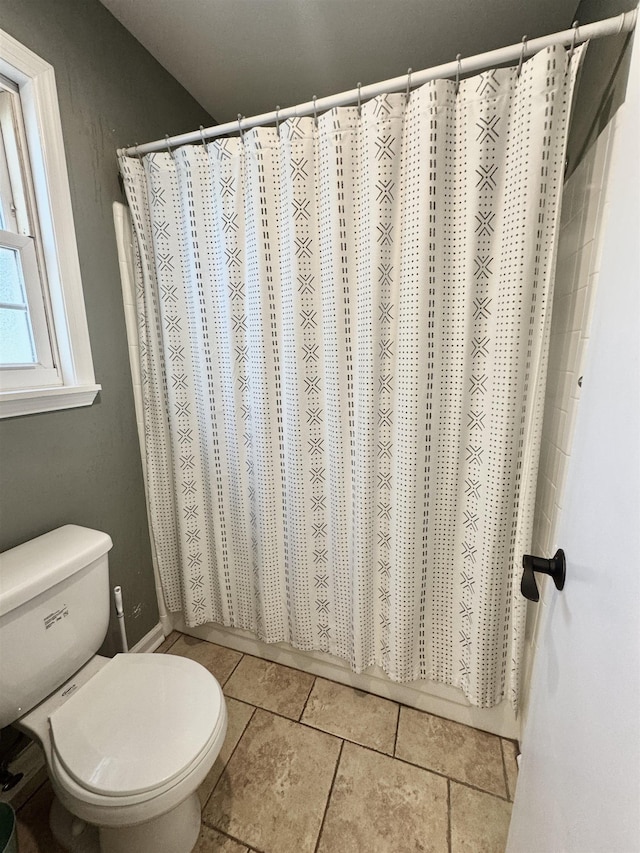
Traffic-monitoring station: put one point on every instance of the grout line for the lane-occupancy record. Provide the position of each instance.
(236, 839)
(373, 749)
(504, 770)
(393, 756)
(351, 687)
(233, 751)
(449, 815)
(306, 701)
(232, 671)
(480, 790)
(326, 807)
(395, 740)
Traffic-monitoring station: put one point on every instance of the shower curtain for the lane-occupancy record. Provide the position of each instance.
(343, 328)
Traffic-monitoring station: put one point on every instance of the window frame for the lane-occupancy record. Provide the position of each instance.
(57, 250)
(41, 372)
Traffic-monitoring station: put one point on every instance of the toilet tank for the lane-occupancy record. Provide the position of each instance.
(54, 613)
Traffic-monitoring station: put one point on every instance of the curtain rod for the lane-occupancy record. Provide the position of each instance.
(607, 27)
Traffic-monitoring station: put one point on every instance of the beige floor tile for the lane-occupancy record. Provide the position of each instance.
(271, 686)
(479, 822)
(212, 841)
(34, 835)
(168, 641)
(458, 751)
(510, 751)
(384, 805)
(272, 793)
(217, 659)
(239, 715)
(352, 714)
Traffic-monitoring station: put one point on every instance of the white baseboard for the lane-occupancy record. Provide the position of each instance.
(150, 641)
(434, 698)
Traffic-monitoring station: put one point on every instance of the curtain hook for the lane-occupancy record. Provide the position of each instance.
(458, 70)
(240, 126)
(409, 70)
(169, 149)
(277, 121)
(204, 141)
(522, 52)
(574, 39)
(359, 101)
(315, 111)
(137, 153)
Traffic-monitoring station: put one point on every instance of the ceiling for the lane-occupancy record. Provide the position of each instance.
(247, 56)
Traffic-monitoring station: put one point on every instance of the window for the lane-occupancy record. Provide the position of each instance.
(45, 357)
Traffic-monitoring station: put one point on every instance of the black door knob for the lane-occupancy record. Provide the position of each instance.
(556, 567)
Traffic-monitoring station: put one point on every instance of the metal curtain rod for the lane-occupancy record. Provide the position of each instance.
(609, 26)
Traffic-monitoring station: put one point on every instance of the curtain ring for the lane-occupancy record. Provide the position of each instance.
(522, 52)
(277, 122)
(315, 111)
(204, 141)
(240, 126)
(169, 149)
(573, 40)
(458, 70)
(409, 70)
(137, 153)
(359, 101)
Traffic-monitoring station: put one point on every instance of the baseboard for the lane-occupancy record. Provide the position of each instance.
(434, 698)
(150, 641)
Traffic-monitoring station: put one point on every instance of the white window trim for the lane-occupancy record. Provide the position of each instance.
(36, 81)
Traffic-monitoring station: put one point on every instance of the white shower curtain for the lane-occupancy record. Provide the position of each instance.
(343, 332)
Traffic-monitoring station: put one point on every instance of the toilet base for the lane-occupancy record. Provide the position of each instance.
(174, 832)
(71, 833)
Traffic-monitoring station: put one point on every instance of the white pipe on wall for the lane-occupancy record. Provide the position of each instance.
(607, 27)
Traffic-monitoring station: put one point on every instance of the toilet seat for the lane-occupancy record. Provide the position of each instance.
(108, 747)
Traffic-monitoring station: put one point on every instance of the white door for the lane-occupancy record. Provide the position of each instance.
(579, 784)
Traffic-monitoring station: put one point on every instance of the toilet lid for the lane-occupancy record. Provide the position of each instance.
(137, 724)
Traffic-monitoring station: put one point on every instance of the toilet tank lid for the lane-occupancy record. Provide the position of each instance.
(41, 563)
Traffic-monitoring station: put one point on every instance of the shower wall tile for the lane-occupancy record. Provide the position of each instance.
(579, 247)
(582, 220)
(584, 212)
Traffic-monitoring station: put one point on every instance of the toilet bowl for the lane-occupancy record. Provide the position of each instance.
(127, 740)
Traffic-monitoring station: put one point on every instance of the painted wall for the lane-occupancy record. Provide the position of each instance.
(83, 466)
(603, 79)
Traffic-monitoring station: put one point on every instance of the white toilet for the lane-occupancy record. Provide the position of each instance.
(128, 739)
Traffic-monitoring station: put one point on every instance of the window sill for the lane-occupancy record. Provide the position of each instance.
(15, 403)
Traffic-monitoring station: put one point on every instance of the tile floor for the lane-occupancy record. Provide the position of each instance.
(311, 766)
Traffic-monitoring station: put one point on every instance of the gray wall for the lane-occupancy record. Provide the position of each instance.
(82, 466)
(603, 79)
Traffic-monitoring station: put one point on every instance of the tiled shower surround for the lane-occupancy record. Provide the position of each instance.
(584, 211)
(578, 265)
(312, 766)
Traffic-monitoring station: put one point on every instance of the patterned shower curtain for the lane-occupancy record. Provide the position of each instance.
(343, 332)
